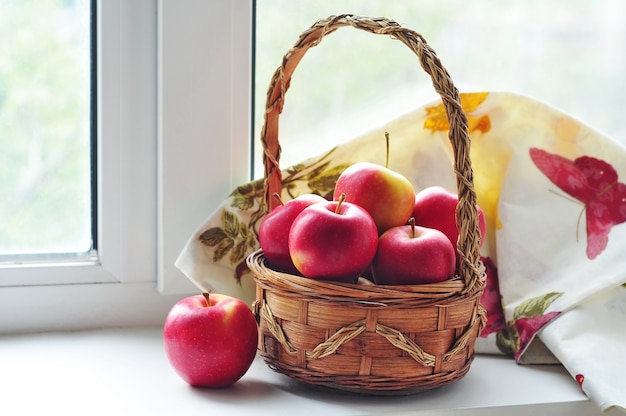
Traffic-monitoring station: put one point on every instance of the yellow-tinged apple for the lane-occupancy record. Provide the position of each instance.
(387, 195)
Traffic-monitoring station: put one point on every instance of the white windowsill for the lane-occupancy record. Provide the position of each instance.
(125, 372)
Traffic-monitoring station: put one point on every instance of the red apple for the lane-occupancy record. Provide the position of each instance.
(210, 339)
(387, 195)
(409, 255)
(274, 231)
(435, 207)
(333, 240)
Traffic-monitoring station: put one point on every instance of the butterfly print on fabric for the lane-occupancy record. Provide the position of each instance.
(595, 184)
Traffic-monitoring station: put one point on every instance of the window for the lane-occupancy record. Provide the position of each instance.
(45, 120)
(118, 287)
(105, 265)
(565, 53)
(174, 126)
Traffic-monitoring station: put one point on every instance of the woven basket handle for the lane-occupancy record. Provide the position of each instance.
(466, 214)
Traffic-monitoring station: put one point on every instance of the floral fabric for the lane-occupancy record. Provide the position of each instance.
(554, 199)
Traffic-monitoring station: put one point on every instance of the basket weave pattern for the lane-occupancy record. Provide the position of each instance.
(367, 338)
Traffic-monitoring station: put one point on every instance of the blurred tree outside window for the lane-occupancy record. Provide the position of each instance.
(567, 53)
(45, 117)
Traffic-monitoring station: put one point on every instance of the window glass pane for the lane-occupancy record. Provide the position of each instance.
(568, 53)
(45, 117)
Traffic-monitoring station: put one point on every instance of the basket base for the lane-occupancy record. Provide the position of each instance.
(369, 385)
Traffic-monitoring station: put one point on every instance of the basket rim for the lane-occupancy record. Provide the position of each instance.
(359, 294)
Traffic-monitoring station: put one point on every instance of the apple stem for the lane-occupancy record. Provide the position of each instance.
(342, 198)
(387, 151)
(277, 197)
(412, 223)
(207, 296)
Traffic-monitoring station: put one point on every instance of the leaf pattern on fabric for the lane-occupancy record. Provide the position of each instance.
(232, 237)
(437, 119)
(246, 196)
(324, 183)
(319, 176)
(594, 183)
(535, 307)
(528, 318)
(237, 235)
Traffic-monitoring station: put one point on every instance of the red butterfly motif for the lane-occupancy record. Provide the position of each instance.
(594, 183)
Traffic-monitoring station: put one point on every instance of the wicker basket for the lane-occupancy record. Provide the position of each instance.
(366, 338)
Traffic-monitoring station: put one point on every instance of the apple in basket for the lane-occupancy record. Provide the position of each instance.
(210, 339)
(333, 240)
(410, 255)
(274, 231)
(435, 207)
(387, 195)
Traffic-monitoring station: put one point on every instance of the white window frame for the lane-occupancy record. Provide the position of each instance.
(173, 138)
(205, 117)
